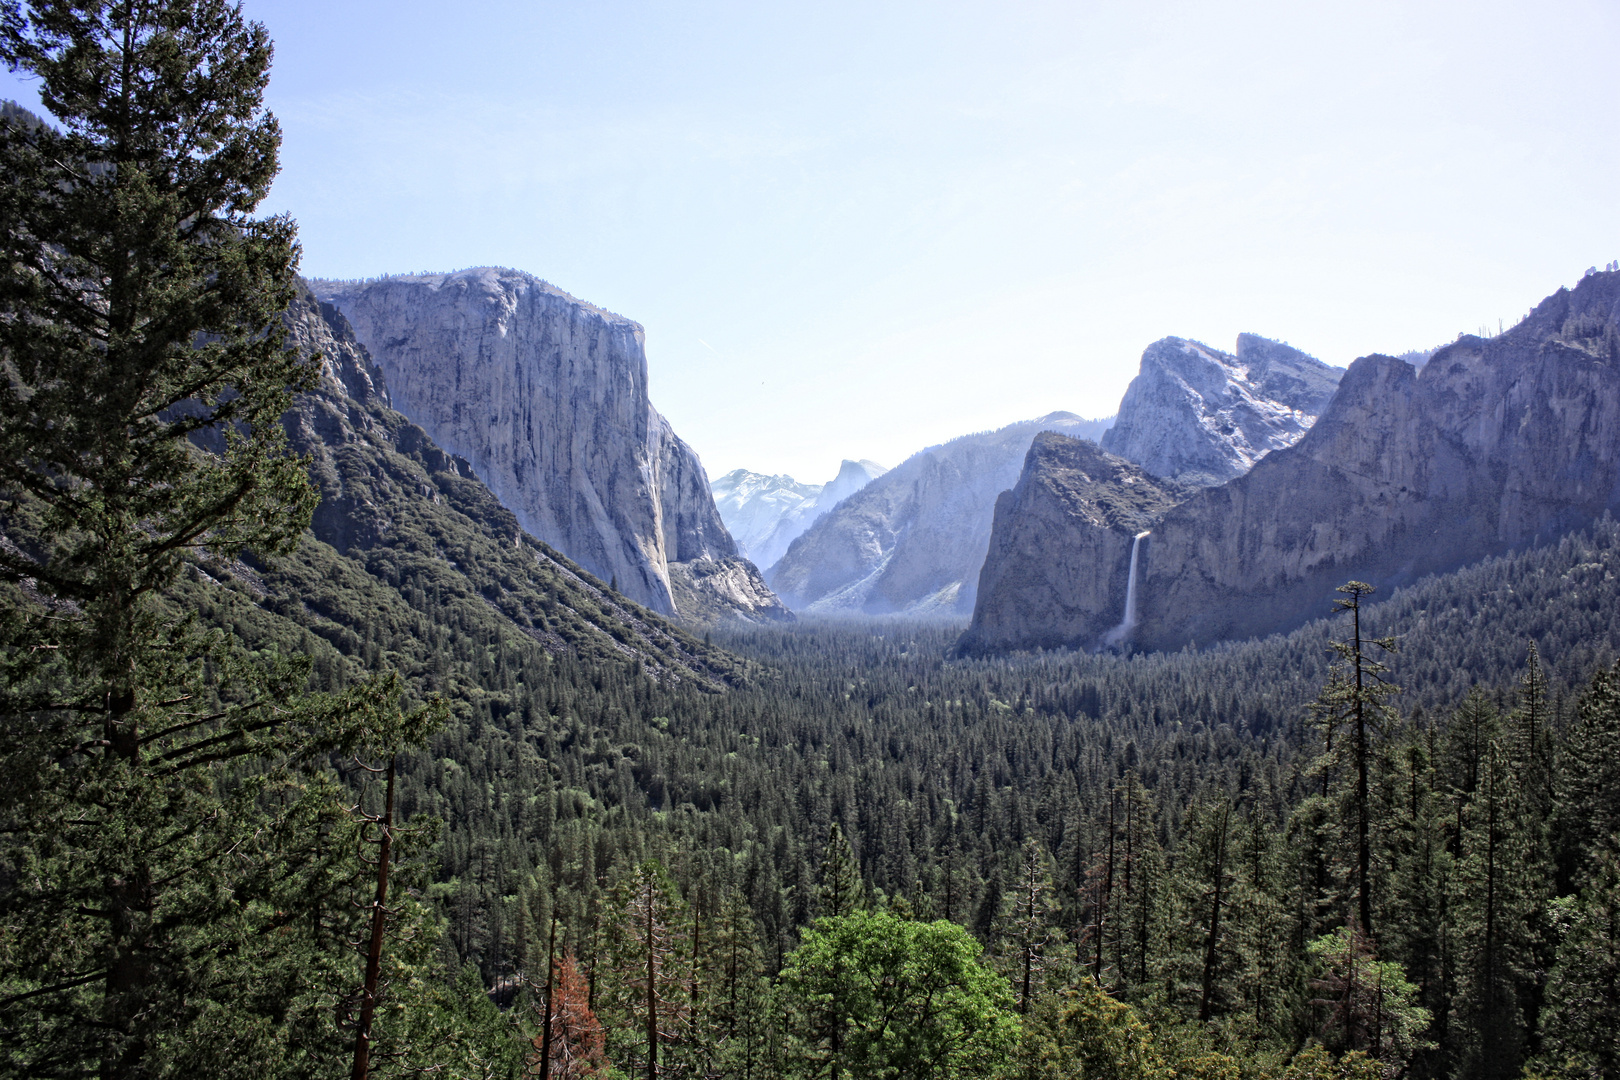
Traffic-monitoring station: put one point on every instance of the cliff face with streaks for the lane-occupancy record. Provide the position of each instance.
(545, 397)
(1495, 444)
(1058, 568)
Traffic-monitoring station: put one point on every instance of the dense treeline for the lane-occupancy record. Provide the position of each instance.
(1146, 784)
(437, 803)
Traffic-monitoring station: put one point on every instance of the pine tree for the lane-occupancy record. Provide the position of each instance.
(144, 377)
(1581, 1030)
(1028, 922)
(571, 1044)
(1493, 910)
(648, 966)
(839, 889)
(1364, 695)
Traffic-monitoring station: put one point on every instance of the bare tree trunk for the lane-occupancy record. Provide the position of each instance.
(1363, 795)
(551, 977)
(368, 1000)
(1206, 1003)
(652, 989)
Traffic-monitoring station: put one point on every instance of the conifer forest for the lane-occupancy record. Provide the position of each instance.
(441, 804)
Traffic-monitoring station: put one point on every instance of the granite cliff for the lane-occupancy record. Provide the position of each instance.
(913, 540)
(1058, 568)
(545, 398)
(1203, 416)
(1495, 444)
(410, 552)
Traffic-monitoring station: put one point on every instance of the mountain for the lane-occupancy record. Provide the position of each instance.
(913, 539)
(1059, 536)
(1203, 416)
(410, 557)
(1494, 445)
(852, 476)
(753, 504)
(545, 397)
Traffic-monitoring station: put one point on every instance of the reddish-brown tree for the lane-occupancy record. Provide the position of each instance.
(578, 1045)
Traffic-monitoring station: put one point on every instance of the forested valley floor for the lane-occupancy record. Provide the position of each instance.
(314, 763)
(1158, 857)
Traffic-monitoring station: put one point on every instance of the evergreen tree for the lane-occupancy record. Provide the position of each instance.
(1493, 911)
(647, 991)
(839, 889)
(1364, 694)
(144, 377)
(1028, 922)
(1582, 1015)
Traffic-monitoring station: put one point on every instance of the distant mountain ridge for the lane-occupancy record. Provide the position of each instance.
(772, 511)
(752, 505)
(913, 540)
(545, 396)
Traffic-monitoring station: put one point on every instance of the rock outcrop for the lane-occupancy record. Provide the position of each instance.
(406, 539)
(914, 539)
(545, 397)
(1203, 416)
(1495, 444)
(1058, 569)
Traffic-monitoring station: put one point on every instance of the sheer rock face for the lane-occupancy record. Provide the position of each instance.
(913, 540)
(1058, 567)
(546, 398)
(1494, 445)
(1203, 416)
(392, 500)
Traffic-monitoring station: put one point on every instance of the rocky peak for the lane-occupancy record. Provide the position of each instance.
(1204, 416)
(546, 397)
(1496, 443)
(792, 521)
(852, 476)
(753, 504)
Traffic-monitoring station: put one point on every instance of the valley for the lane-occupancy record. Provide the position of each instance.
(387, 689)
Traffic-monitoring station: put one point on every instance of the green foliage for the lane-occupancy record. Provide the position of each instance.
(1084, 1032)
(1368, 1004)
(1582, 1017)
(148, 760)
(909, 999)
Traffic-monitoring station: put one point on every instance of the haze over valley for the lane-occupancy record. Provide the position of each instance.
(870, 541)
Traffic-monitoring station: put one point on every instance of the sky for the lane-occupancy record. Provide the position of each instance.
(859, 229)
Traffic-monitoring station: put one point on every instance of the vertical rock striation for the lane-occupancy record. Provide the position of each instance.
(1059, 563)
(545, 397)
(1495, 444)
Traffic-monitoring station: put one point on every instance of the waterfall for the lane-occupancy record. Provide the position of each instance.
(1128, 623)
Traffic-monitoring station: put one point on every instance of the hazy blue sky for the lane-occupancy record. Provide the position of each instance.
(858, 229)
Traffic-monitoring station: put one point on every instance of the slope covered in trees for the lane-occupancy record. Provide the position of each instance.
(317, 763)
